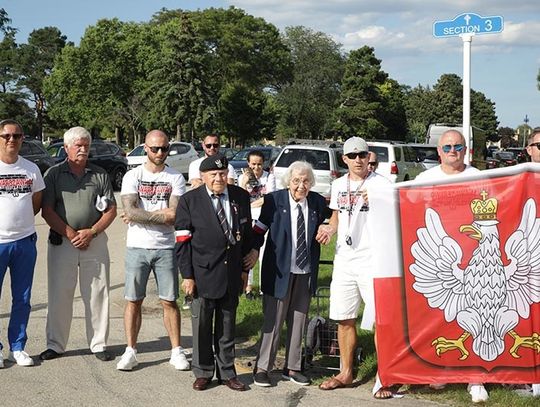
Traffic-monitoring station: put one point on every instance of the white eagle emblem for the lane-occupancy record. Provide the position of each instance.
(487, 298)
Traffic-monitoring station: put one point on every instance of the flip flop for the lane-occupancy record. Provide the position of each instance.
(332, 384)
(383, 393)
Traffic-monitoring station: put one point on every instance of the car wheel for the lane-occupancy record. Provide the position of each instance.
(116, 178)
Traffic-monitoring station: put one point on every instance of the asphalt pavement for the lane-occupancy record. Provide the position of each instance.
(80, 379)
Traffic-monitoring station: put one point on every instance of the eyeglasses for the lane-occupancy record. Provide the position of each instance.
(353, 156)
(155, 149)
(448, 147)
(373, 163)
(14, 136)
(214, 145)
(537, 145)
(298, 181)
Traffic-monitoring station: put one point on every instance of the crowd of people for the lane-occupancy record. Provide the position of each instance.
(212, 234)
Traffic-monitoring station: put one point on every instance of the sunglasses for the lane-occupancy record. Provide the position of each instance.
(353, 156)
(14, 136)
(448, 147)
(537, 145)
(373, 163)
(212, 145)
(155, 149)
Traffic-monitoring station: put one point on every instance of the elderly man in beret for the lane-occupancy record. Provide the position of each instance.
(214, 253)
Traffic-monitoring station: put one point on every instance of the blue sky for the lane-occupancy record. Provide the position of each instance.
(504, 66)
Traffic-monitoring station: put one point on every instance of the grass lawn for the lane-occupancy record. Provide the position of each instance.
(249, 323)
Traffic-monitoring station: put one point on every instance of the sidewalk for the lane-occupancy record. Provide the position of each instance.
(78, 378)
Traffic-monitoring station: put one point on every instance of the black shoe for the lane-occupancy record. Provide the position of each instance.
(296, 377)
(261, 379)
(104, 356)
(49, 354)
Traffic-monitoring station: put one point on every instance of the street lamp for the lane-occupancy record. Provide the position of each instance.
(525, 130)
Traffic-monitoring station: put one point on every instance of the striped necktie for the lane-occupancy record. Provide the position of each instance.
(222, 218)
(301, 245)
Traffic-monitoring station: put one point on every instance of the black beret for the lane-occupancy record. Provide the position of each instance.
(214, 162)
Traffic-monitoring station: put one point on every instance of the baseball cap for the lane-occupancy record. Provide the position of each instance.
(355, 145)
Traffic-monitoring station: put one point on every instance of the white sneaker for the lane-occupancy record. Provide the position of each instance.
(478, 392)
(179, 360)
(1, 360)
(536, 390)
(21, 358)
(128, 360)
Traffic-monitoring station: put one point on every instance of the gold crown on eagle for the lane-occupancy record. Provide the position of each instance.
(484, 209)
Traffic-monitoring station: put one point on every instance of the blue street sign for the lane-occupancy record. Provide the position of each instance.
(468, 23)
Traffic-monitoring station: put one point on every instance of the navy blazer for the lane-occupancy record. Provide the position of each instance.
(276, 264)
(202, 250)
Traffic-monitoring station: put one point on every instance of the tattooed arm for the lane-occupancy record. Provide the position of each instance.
(132, 212)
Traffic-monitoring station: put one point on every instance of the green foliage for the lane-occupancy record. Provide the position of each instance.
(359, 113)
(35, 63)
(419, 110)
(307, 103)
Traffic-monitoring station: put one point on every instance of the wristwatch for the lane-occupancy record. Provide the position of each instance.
(94, 231)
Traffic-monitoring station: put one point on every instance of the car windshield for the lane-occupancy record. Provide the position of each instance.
(429, 153)
(137, 152)
(319, 159)
(56, 150)
(243, 154)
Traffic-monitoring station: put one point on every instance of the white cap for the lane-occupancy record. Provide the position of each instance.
(355, 145)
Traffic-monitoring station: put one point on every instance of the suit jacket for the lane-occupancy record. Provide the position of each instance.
(202, 250)
(276, 264)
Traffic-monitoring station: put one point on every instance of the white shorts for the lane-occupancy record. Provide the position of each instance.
(352, 282)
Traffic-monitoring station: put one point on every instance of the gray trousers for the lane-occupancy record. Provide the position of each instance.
(294, 308)
(65, 265)
(214, 323)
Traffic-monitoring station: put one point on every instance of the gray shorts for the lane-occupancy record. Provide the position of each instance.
(139, 264)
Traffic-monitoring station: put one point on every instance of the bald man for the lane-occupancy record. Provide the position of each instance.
(150, 195)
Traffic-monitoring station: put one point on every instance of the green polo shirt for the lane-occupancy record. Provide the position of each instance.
(73, 198)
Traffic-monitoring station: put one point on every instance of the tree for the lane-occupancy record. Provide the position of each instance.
(307, 103)
(483, 113)
(361, 101)
(393, 113)
(448, 99)
(178, 81)
(419, 111)
(35, 62)
(91, 83)
(506, 135)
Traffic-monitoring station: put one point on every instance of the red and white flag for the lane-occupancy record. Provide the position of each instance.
(457, 287)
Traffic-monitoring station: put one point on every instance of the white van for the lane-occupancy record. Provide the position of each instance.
(397, 162)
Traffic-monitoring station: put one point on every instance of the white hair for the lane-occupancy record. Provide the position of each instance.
(301, 167)
(76, 133)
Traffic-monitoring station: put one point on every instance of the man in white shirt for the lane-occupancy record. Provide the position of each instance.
(210, 146)
(452, 150)
(21, 188)
(150, 195)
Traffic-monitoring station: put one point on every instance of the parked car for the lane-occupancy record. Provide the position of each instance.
(34, 151)
(505, 158)
(427, 154)
(239, 160)
(107, 155)
(520, 154)
(180, 156)
(397, 162)
(327, 164)
(228, 152)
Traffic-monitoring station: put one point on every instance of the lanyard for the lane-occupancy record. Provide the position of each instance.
(348, 238)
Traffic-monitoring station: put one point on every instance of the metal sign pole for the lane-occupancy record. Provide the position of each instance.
(467, 40)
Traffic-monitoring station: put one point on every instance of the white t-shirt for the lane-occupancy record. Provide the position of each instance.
(154, 191)
(267, 184)
(437, 173)
(195, 173)
(352, 215)
(18, 182)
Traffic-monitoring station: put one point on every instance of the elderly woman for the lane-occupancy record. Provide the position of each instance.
(290, 266)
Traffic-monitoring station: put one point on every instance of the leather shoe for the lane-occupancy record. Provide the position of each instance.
(49, 354)
(104, 356)
(201, 383)
(234, 384)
